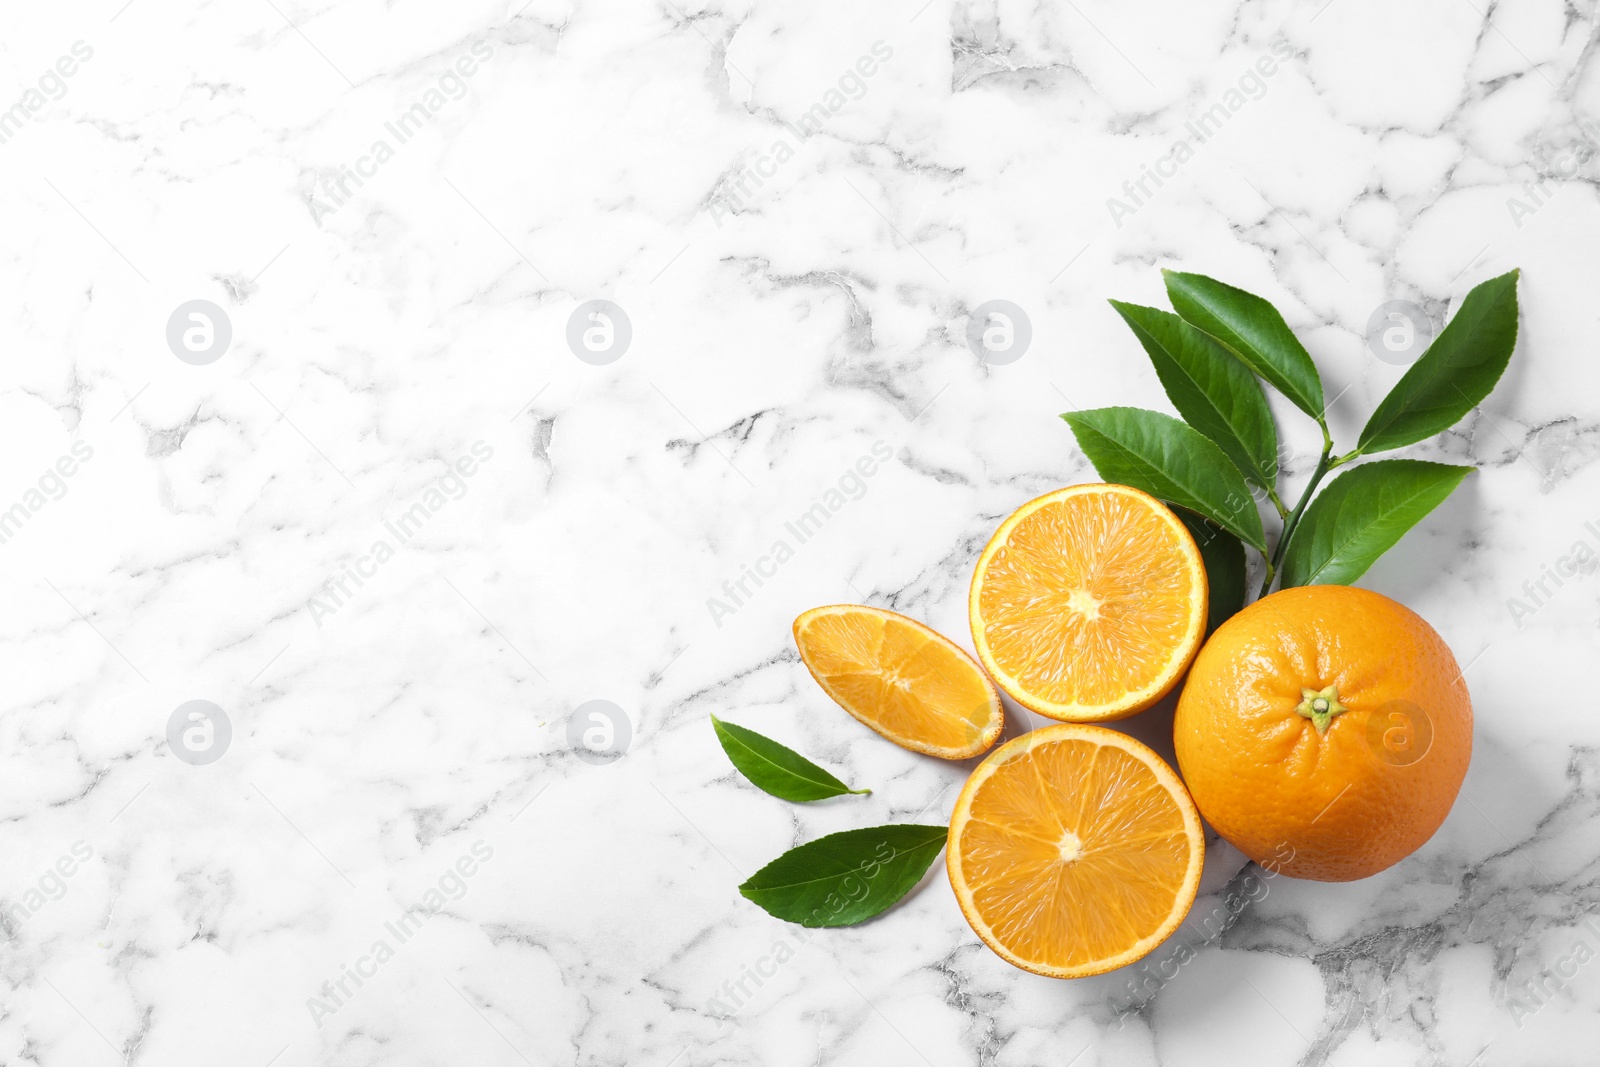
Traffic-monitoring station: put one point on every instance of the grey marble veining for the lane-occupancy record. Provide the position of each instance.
(414, 509)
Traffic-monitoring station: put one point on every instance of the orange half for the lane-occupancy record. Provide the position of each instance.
(912, 685)
(1074, 850)
(1089, 603)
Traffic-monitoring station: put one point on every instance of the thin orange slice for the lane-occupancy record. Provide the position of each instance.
(1074, 850)
(912, 685)
(1089, 603)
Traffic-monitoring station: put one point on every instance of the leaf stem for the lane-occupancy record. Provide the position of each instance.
(1267, 582)
(1325, 463)
(1277, 502)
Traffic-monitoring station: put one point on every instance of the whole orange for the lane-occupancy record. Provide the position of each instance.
(1325, 731)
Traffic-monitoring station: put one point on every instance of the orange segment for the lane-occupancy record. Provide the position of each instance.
(1074, 850)
(912, 685)
(1089, 603)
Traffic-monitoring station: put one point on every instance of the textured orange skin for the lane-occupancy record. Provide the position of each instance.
(1330, 808)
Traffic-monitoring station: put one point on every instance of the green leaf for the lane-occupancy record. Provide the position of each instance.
(1360, 516)
(1456, 372)
(1169, 460)
(781, 771)
(1224, 559)
(1254, 331)
(845, 878)
(1214, 392)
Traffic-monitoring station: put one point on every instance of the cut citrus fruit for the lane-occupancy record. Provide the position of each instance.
(1089, 603)
(912, 685)
(1074, 850)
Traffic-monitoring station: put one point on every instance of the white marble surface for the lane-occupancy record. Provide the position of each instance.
(793, 299)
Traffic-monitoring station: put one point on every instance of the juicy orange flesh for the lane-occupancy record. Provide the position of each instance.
(1074, 853)
(898, 677)
(1087, 599)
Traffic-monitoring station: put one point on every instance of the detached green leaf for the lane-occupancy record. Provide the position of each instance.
(845, 878)
(1213, 391)
(1169, 460)
(1361, 515)
(1254, 331)
(778, 770)
(1456, 372)
(1224, 559)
